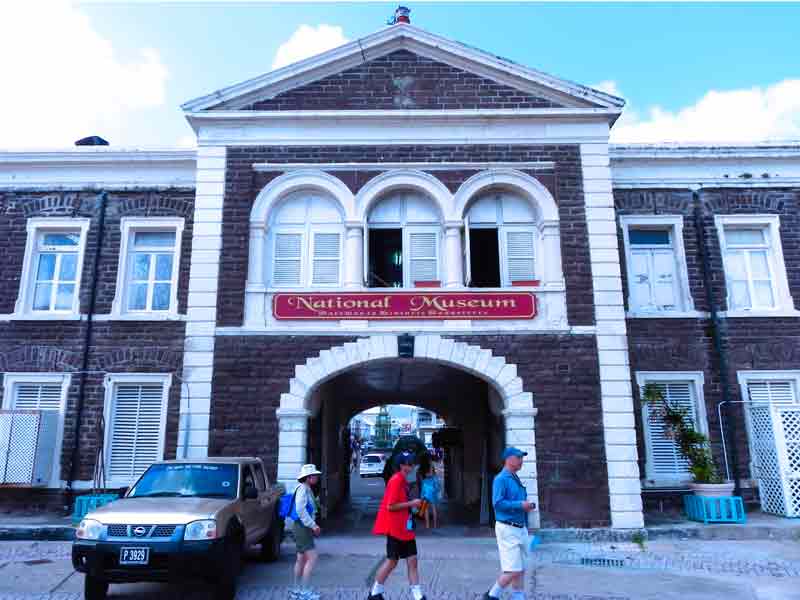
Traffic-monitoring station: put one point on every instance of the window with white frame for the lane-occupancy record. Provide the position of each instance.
(752, 256)
(135, 416)
(403, 243)
(305, 239)
(147, 281)
(658, 281)
(40, 391)
(52, 267)
(501, 240)
(664, 464)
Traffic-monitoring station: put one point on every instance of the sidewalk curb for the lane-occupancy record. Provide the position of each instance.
(66, 533)
(38, 533)
(718, 532)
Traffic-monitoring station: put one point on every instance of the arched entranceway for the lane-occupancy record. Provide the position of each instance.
(505, 399)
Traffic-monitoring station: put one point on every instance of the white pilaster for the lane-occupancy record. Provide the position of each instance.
(292, 444)
(256, 289)
(354, 254)
(520, 434)
(551, 243)
(616, 395)
(198, 362)
(454, 262)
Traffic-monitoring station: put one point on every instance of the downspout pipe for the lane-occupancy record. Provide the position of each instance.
(87, 340)
(718, 329)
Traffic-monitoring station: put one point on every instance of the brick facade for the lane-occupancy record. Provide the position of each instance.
(571, 467)
(686, 344)
(242, 186)
(115, 346)
(402, 80)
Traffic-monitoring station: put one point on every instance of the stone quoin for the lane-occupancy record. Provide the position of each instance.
(249, 296)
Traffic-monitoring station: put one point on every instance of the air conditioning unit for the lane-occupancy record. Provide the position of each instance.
(27, 446)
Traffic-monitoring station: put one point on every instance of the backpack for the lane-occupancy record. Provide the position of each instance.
(287, 508)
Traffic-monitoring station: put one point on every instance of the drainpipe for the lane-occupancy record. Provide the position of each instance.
(718, 328)
(87, 339)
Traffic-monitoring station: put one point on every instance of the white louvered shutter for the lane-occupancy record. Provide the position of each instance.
(639, 283)
(135, 430)
(665, 462)
(772, 392)
(37, 396)
(664, 280)
(288, 259)
(423, 261)
(520, 256)
(326, 259)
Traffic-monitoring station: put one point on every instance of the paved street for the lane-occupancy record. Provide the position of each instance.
(458, 568)
(458, 563)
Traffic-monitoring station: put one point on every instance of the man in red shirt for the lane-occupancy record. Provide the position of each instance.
(394, 520)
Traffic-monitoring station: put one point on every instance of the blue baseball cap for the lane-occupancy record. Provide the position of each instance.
(511, 451)
(406, 458)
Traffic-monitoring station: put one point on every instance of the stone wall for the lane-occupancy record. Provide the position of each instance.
(560, 370)
(758, 343)
(564, 182)
(115, 346)
(402, 80)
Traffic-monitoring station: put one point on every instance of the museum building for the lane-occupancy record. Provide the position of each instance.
(403, 219)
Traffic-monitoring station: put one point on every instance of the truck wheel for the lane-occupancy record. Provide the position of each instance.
(225, 588)
(94, 588)
(271, 544)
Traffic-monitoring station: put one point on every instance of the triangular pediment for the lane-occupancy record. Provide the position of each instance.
(404, 67)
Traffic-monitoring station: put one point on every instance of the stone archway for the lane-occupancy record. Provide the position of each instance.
(516, 405)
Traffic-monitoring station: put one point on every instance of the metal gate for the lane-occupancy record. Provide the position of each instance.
(775, 448)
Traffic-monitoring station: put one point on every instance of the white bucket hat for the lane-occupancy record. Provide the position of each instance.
(307, 470)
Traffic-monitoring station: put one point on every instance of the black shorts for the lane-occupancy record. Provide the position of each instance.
(397, 549)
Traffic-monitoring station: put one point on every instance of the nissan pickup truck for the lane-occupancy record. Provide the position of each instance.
(181, 520)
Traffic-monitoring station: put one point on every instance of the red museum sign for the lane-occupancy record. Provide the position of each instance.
(405, 305)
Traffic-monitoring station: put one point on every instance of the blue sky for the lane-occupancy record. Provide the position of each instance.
(689, 71)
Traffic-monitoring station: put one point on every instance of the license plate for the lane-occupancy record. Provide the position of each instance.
(134, 556)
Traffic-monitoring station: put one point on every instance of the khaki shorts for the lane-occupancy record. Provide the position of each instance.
(303, 537)
(513, 545)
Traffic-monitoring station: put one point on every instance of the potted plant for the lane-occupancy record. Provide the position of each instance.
(693, 445)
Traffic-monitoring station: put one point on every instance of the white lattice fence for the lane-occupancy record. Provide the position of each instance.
(775, 446)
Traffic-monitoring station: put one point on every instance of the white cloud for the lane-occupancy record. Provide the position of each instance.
(743, 115)
(609, 87)
(62, 79)
(307, 41)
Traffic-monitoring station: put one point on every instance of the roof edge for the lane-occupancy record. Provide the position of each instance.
(361, 46)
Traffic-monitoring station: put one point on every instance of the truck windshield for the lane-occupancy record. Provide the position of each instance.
(188, 480)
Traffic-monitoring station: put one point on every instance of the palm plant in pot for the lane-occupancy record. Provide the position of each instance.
(692, 444)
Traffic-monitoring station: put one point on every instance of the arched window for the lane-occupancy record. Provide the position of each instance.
(501, 239)
(305, 236)
(404, 241)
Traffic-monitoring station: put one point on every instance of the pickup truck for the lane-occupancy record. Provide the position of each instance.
(181, 520)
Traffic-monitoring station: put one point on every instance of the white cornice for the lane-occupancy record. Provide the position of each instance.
(693, 166)
(94, 155)
(423, 166)
(620, 152)
(413, 39)
(97, 168)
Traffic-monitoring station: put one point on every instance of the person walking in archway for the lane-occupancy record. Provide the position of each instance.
(396, 522)
(511, 508)
(305, 529)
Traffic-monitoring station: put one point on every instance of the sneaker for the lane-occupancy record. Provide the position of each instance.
(295, 594)
(486, 596)
(375, 597)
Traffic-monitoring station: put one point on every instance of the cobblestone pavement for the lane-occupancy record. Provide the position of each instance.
(456, 568)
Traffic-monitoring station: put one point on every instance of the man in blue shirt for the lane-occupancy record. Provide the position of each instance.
(511, 508)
